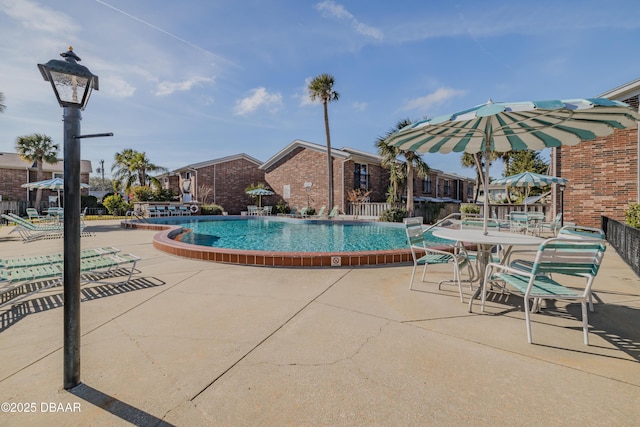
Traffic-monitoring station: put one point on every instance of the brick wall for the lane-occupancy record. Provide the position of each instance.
(299, 166)
(603, 177)
(12, 179)
(228, 181)
(305, 165)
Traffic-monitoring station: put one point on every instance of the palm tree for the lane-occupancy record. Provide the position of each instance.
(40, 149)
(131, 167)
(321, 88)
(2, 106)
(414, 163)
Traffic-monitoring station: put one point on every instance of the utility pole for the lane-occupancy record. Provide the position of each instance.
(102, 170)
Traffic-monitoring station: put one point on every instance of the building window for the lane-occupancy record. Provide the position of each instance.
(426, 185)
(361, 176)
(58, 175)
(447, 188)
(469, 190)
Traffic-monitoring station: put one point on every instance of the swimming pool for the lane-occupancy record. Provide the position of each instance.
(278, 241)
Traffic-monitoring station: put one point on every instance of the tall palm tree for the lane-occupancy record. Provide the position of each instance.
(131, 167)
(40, 149)
(414, 163)
(321, 88)
(2, 106)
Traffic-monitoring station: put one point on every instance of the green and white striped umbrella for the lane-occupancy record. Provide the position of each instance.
(50, 184)
(530, 179)
(512, 126)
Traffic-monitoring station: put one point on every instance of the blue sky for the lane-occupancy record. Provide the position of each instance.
(196, 80)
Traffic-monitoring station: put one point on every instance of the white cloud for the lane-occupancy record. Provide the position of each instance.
(260, 97)
(32, 16)
(117, 87)
(433, 100)
(359, 106)
(331, 8)
(167, 88)
(303, 95)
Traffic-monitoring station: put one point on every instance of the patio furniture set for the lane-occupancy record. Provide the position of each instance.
(170, 210)
(562, 267)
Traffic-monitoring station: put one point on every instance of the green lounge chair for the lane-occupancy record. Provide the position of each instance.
(31, 232)
(335, 212)
(33, 261)
(19, 283)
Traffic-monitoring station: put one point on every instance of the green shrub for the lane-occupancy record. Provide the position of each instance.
(311, 211)
(470, 209)
(393, 215)
(116, 205)
(282, 207)
(88, 201)
(632, 215)
(142, 194)
(212, 209)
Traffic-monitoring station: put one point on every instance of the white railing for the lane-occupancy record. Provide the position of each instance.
(368, 209)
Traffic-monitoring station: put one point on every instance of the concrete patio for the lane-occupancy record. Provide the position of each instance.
(193, 343)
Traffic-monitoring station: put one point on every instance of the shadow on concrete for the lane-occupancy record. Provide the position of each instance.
(20, 310)
(615, 323)
(117, 407)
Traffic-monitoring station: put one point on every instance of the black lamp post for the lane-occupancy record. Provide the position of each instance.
(562, 205)
(72, 84)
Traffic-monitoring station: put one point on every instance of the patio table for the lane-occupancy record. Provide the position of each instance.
(485, 242)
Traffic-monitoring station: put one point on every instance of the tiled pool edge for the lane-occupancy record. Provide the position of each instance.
(163, 241)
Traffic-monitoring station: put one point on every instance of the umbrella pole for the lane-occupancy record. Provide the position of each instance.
(486, 188)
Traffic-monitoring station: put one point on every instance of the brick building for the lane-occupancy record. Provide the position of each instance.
(298, 176)
(14, 171)
(301, 163)
(603, 173)
(223, 180)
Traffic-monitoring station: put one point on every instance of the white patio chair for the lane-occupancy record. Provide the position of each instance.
(424, 255)
(555, 257)
(518, 222)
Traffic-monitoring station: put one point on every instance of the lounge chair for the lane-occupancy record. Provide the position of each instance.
(31, 232)
(152, 211)
(266, 210)
(557, 257)
(34, 216)
(20, 283)
(320, 213)
(162, 211)
(425, 255)
(184, 210)
(291, 214)
(34, 261)
(335, 212)
(252, 210)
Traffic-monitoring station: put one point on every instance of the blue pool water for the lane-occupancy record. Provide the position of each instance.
(291, 235)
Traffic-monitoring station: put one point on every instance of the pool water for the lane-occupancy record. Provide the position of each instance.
(291, 235)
